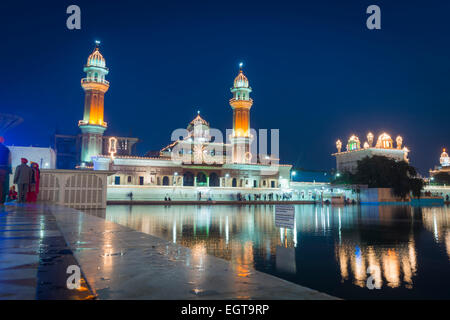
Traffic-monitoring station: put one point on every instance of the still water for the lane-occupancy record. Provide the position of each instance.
(343, 251)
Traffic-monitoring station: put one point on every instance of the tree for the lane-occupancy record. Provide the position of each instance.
(383, 172)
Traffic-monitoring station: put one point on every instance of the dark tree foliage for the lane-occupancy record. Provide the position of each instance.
(441, 178)
(383, 172)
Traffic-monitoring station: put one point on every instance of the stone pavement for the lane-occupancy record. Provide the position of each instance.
(119, 262)
(34, 256)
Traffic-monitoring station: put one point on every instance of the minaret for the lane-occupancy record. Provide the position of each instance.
(241, 104)
(92, 126)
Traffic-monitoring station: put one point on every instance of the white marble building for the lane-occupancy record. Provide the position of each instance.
(347, 161)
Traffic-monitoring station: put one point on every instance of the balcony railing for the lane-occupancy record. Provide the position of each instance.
(84, 123)
(96, 80)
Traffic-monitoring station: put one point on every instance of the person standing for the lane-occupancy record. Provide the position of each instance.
(22, 178)
(34, 185)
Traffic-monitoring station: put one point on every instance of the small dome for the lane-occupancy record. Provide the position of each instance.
(241, 80)
(384, 141)
(353, 143)
(96, 59)
(445, 159)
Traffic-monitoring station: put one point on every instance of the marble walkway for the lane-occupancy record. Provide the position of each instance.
(116, 262)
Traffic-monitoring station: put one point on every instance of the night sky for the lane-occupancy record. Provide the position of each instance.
(317, 73)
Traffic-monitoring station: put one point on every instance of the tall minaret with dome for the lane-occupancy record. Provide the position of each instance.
(241, 104)
(94, 85)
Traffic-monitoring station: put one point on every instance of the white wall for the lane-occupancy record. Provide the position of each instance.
(45, 157)
(158, 193)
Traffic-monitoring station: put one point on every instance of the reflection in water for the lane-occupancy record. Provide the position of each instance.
(333, 249)
(437, 221)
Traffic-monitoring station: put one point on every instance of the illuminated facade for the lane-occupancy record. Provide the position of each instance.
(347, 161)
(93, 125)
(444, 166)
(197, 159)
(241, 104)
(73, 150)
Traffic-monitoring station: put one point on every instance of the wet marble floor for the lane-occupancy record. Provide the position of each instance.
(37, 243)
(34, 256)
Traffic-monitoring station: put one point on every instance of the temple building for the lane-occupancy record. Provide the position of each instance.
(444, 166)
(347, 160)
(195, 158)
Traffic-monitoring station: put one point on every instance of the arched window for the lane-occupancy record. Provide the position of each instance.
(201, 179)
(188, 179)
(234, 183)
(165, 181)
(214, 180)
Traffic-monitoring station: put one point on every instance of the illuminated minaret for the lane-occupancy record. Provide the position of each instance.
(241, 104)
(92, 126)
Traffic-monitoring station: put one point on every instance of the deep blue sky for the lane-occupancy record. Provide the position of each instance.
(317, 72)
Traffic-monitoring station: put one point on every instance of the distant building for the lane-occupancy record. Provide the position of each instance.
(444, 166)
(347, 161)
(68, 149)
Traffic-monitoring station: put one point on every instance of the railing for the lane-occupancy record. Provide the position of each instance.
(83, 123)
(96, 80)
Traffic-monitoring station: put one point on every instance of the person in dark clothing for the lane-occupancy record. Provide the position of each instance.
(5, 170)
(22, 178)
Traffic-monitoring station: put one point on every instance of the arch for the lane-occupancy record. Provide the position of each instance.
(188, 179)
(214, 180)
(165, 181)
(201, 179)
(234, 183)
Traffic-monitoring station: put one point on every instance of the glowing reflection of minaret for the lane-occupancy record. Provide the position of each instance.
(227, 230)
(391, 268)
(322, 217)
(174, 231)
(343, 264)
(315, 219)
(340, 234)
(328, 217)
(295, 232)
(435, 228)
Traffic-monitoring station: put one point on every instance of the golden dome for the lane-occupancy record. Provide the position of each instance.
(384, 141)
(241, 80)
(96, 59)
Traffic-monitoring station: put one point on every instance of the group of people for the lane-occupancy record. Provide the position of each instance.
(27, 179)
